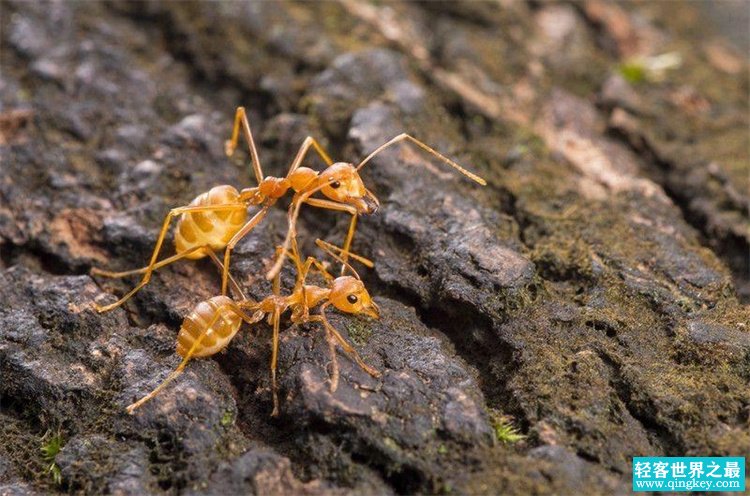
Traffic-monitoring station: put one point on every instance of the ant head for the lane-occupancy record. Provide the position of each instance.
(341, 183)
(349, 295)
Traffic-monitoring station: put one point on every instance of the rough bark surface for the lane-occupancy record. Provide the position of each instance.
(591, 292)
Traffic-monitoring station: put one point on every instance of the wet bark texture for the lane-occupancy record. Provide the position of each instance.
(591, 292)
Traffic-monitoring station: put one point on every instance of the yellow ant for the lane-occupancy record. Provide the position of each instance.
(213, 323)
(351, 171)
(217, 218)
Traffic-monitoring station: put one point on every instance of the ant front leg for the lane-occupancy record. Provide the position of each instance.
(339, 207)
(331, 352)
(274, 360)
(335, 252)
(292, 216)
(147, 271)
(348, 348)
(290, 234)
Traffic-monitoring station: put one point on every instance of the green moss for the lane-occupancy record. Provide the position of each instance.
(505, 431)
(52, 444)
(359, 333)
(391, 444)
(633, 72)
(563, 257)
(227, 418)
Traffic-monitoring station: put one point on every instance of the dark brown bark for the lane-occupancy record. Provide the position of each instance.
(591, 292)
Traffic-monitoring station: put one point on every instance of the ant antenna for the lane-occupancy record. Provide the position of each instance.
(404, 136)
(364, 261)
(328, 248)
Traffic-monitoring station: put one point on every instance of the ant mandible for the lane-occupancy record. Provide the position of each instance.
(213, 323)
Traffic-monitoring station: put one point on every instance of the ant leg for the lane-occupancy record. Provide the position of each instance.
(301, 153)
(302, 277)
(277, 279)
(334, 360)
(331, 351)
(423, 146)
(220, 265)
(348, 349)
(252, 306)
(290, 234)
(131, 408)
(274, 360)
(208, 251)
(158, 265)
(249, 226)
(322, 269)
(254, 319)
(340, 207)
(302, 268)
(150, 267)
(330, 250)
(240, 119)
(292, 215)
(295, 256)
(217, 315)
(302, 271)
(309, 142)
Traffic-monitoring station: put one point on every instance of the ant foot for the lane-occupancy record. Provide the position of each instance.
(229, 148)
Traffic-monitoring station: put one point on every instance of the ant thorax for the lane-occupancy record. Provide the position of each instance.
(301, 178)
(313, 295)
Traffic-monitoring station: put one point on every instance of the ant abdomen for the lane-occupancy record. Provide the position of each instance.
(210, 228)
(215, 320)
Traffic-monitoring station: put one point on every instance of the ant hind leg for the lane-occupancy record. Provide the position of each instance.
(148, 270)
(116, 275)
(348, 348)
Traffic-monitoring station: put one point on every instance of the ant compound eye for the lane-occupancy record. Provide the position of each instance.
(335, 184)
(352, 299)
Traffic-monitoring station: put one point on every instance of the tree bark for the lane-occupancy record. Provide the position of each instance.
(591, 295)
